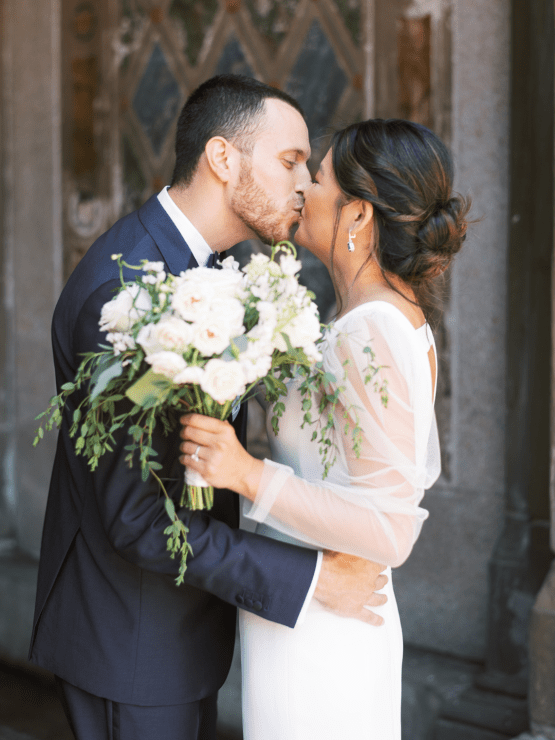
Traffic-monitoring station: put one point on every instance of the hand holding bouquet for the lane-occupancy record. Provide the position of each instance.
(200, 341)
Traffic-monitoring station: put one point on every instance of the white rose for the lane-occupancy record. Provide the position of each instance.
(304, 330)
(146, 338)
(212, 335)
(191, 299)
(226, 283)
(171, 334)
(174, 334)
(223, 380)
(192, 374)
(125, 309)
(312, 353)
(231, 312)
(167, 363)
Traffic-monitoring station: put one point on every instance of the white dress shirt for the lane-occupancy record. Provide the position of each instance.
(195, 240)
(201, 252)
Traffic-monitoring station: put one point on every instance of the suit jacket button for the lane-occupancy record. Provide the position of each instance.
(239, 599)
(258, 606)
(248, 602)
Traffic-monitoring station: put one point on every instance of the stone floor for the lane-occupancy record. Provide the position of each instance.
(30, 710)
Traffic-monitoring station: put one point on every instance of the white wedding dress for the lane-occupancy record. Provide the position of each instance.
(332, 678)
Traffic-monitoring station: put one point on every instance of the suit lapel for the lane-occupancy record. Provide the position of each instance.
(167, 237)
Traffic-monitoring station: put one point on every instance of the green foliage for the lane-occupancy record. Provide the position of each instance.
(324, 391)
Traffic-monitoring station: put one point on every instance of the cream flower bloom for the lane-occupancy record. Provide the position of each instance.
(223, 380)
(170, 333)
(167, 363)
(212, 335)
(125, 309)
(192, 374)
(191, 299)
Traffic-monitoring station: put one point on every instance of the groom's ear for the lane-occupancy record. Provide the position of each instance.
(222, 158)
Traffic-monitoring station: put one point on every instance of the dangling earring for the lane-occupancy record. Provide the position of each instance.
(350, 244)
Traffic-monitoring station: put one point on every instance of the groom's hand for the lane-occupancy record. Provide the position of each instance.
(348, 584)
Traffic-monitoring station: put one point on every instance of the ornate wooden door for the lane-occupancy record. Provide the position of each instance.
(130, 65)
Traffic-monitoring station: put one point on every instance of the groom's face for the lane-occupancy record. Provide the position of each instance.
(268, 192)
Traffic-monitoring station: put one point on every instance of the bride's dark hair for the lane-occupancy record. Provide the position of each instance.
(406, 172)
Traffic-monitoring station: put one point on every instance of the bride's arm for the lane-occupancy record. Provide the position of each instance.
(371, 510)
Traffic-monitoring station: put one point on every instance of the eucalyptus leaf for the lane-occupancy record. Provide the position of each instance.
(112, 371)
(240, 343)
(170, 508)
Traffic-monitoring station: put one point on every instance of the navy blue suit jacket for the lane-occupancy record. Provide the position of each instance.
(109, 617)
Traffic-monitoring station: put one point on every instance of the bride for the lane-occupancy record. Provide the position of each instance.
(382, 217)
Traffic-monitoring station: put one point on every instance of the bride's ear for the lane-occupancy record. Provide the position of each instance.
(362, 216)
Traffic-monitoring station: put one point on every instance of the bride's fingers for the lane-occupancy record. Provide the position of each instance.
(381, 582)
(192, 459)
(198, 436)
(190, 448)
(207, 423)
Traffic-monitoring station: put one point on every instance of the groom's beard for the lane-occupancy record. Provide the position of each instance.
(258, 211)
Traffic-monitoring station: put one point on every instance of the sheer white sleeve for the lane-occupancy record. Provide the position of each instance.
(369, 505)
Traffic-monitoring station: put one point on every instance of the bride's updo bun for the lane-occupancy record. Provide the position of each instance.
(406, 172)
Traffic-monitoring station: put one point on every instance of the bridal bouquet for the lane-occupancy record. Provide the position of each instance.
(200, 341)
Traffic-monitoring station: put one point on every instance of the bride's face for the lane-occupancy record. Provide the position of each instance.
(318, 215)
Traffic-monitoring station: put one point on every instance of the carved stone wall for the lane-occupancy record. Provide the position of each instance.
(31, 268)
(443, 588)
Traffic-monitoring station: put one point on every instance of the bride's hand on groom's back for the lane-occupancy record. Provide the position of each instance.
(347, 586)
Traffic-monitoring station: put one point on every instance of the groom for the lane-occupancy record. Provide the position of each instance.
(137, 658)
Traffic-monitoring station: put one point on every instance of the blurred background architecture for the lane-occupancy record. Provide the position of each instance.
(90, 91)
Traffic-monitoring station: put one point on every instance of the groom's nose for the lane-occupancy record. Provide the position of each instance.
(303, 182)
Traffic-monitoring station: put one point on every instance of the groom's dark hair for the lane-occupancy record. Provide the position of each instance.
(230, 106)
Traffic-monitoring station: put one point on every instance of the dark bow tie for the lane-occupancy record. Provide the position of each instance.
(212, 260)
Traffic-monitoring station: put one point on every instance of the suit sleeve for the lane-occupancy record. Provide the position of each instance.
(256, 573)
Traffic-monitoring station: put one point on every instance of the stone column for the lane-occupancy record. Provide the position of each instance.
(31, 251)
(542, 627)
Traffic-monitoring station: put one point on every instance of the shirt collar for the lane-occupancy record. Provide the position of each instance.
(195, 241)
